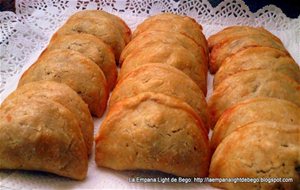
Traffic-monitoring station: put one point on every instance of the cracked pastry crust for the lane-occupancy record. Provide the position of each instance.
(139, 134)
(255, 109)
(91, 47)
(102, 27)
(159, 78)
(258, 58)
(250, 84)
(231, 45)
(175, 23)
(71, 67)
(61, 94)
(258, 150)
(40, 134)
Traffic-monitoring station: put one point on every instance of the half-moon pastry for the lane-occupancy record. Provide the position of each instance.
(148, 38)
(175, 23)
(167, 54)
(159, 78)
(237, 32)
(40, 134)
(91, 47)
(259, 150)
(75, 70)
(101, 27)
(152, 131)
(250, 84)
(62, 94)
(117, 21)
(256, 109)
(258, 58)
(220, 52)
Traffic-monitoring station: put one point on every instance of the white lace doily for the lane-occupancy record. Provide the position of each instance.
(25, 34)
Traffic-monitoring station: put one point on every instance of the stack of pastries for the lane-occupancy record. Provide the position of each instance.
(254, 109)
(158, 117)
(46, 123)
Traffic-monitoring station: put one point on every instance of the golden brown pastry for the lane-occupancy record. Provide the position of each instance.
(237, 32)
(116, 21)
(152, 131)
(258, 58)
(40, 134)
(75, 70)
(252, 110)
(149, 38)
(101, 27)
(167, 54)
(91, 47)
(63, 95)
(159, 78)
(231, 46)
(251, 84)
(258, 150)
(174, 23)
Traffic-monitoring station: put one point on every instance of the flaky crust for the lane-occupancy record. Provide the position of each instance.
(175, 23)
(258, 58)
(117, 21)
(75, 70)
(237, 32)
(91, 47)
(40, 134)
(162, 37)
(250, 84)
(158, 78)
(231, 46)
(252, 110)
(63, 95)
(258, 150)
(101, 27)
(166, 54)
(152, 131)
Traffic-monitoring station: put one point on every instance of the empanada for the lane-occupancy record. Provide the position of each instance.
(159, 78)
(152, 131)
(40, 134)
(252, 110)
(258, 58)
(75, 70)
(258, 150)
(60, 93)
(174, 23)
(251, 84)
(91, 47)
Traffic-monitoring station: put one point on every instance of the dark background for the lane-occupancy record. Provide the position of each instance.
(290, 7)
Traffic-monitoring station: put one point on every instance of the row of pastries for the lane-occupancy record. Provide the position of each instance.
(158, 118)
(254, 109)
(46, 124)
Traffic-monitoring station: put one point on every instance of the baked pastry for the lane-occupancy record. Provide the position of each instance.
(40, 134)
(61, 94)
(231, 46)
(159, 78)
(237, 32)
(175, 23)
(258, 58)
(101, 27)
(148, 38)
(252, 110)
(167, 54)
(152, 131)
(75, 70)
(258, 150)
(91, 47)
(116, 21)
(250, 84)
